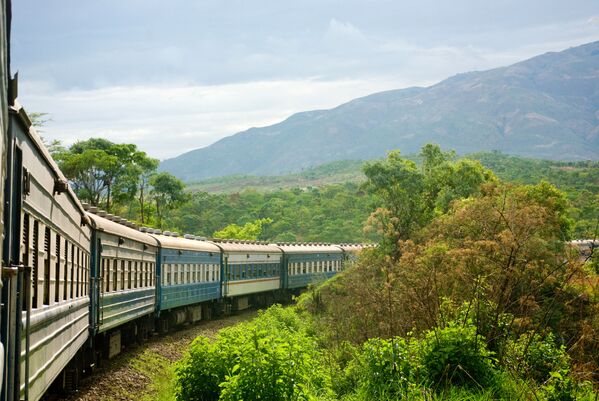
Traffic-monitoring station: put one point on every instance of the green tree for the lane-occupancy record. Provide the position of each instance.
(249, 231)
(168, 192)
(102, 172)
(410, 196)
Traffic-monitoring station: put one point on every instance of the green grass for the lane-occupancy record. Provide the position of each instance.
(161, 373)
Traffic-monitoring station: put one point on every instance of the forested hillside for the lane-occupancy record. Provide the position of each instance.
(303, 209)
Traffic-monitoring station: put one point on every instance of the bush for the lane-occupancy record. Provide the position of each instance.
(385, 367)
(535, 357)
(274, 357)
(456, 355)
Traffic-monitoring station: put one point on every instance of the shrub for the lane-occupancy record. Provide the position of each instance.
(385, 367)
(456, 355)
(534, 356)
(274, 357)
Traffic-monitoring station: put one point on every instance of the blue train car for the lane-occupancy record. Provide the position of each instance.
(309, 263)
(249, 268)
(124, 274)
(188, 273)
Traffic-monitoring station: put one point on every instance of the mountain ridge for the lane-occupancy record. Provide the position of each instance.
(543, 107)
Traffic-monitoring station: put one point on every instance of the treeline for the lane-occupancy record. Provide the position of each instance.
(123, 180)
(473, 293)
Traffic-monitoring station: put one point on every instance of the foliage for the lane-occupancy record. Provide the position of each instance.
(412, 196)
(274, 357)
(457, 355)
(168, 192)
(249, 231)
(386, 367)
(335, 213)
(102, 172)
(537, 357)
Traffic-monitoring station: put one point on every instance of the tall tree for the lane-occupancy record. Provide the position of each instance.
(168, 192)
(103, 172)
(410, 196)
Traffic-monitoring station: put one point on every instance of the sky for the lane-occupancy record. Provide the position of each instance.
(178, 75)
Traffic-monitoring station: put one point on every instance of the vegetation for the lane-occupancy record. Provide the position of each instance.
(473, 294)
(239, 200)
(120, 179)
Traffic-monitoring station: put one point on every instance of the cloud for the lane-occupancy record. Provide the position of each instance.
(167, 121)
(593, 20)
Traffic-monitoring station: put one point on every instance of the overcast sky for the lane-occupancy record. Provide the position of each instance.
(171, 79)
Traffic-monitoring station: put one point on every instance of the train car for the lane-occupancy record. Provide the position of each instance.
(304, 264)
(585, 247)
(124, 275)
(251, 272)
(45, 314)
(188, 276)
(351, 251)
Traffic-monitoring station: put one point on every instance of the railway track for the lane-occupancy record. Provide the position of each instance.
(125, 377)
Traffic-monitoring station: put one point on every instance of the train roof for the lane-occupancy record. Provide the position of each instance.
(308, 248)
(17, 110)
(112, 227)
(184, 243)
(245, 246)
(354, 247)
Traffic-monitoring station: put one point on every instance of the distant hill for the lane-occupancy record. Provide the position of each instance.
(337, 172)
(546, 107)
(568, 176)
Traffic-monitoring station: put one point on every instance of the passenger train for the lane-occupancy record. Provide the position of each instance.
(79, 284)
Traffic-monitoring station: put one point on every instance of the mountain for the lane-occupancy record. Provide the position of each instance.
(545, 107)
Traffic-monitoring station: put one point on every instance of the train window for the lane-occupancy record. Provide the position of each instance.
(57, 270)
(144, 274)
(25, 248)
(46, 283)
(129, 271)
(108, 274)
(65, 269)
(34, 270)
(167, 272)
(188, 269)
(78, 274)
(72, 273)
(123, 275)
(104, 286)
(115, 274)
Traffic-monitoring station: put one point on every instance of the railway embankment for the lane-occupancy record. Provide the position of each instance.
(146, 372)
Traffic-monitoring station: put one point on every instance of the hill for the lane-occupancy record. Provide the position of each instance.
(545, 107)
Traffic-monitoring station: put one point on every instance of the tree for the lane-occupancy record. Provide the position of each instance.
(103, 172)
(410, 197)
(168, 192)
(249, 231)
(148, 167)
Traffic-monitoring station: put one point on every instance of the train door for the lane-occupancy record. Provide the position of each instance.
(225, 276)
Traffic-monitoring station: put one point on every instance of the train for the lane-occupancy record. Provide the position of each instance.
(79, 284)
